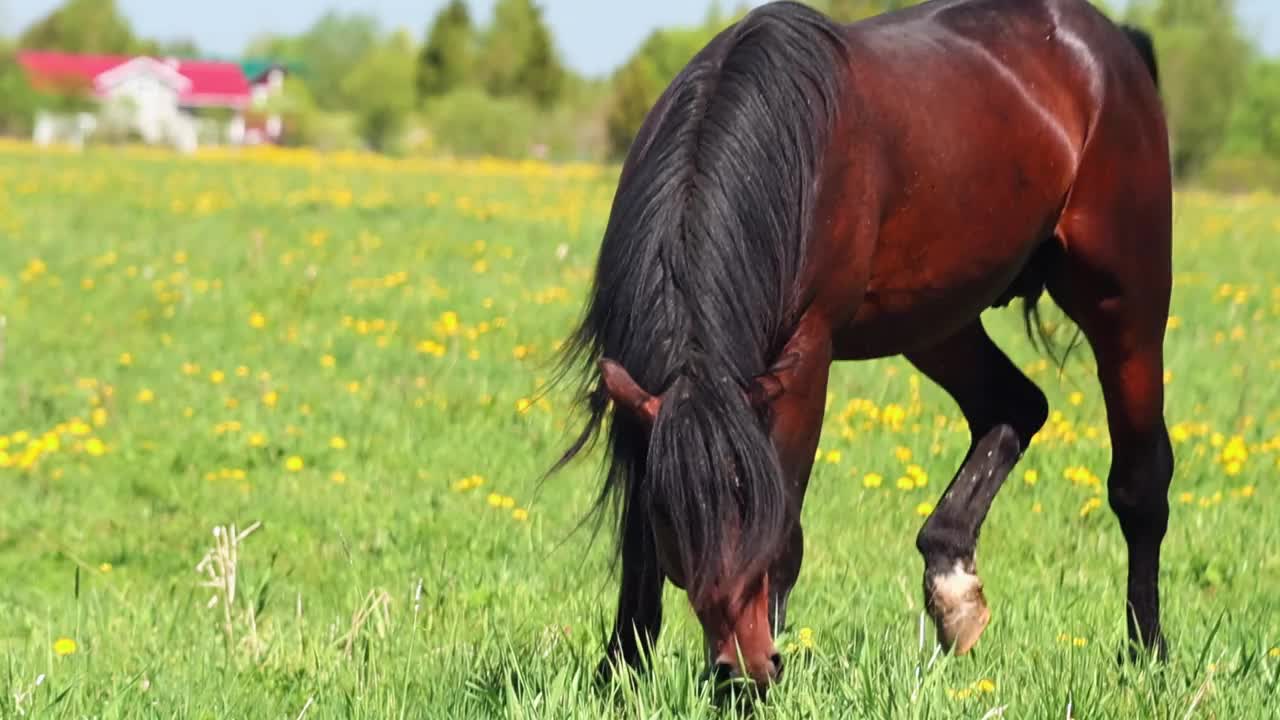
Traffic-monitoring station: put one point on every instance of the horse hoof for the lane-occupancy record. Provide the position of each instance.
(958, 608)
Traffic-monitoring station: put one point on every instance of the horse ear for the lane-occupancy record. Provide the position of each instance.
(627, 395)
(770, 385)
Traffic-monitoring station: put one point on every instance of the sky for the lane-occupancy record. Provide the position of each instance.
(594, 36)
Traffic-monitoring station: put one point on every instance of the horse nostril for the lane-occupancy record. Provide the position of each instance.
(776, 659)
(723, 672)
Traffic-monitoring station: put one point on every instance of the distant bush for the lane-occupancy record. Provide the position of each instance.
(471, 122)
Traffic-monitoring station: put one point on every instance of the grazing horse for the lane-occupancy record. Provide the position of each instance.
(806, 192)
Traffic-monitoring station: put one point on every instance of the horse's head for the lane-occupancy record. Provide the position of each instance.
(702, 526)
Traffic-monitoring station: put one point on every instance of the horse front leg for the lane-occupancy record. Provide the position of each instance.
(1004, 410)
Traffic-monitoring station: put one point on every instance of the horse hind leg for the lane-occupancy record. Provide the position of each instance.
(1115, 284)
(1004, 410)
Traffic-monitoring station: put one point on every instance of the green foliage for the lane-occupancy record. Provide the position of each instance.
(470, 122)
(183, 47)
(18, 101)
(297, 109)
(445, 61)
(82, 26)
(854, 10)
(328, 51)
(1254, 126)
(1203, 60)
(382, 87)
(520, 56)
(643, 78)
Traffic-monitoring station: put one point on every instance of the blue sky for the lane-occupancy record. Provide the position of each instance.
(594, 36)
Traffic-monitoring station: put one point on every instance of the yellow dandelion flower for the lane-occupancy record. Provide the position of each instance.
(1079, 642)
(1274, 652)
(985, 685)
(104, 567)
(906, 483)
(1037, 508)
(872, 480)
(1075, 398)
(328, 361)
(523, 405)
(805, 637)
(508, 502)
(64, 646)
(145, 396)
(270, 398)
(494, 500)
(449, 323)
(95, 447)
(126, 359)
(833, 457)
(917, 475)
(257, 320)
(903, 454)
(1031, 477)
(338, 477)
(520, 514)
(217, 376)
(337, 442)
(293, 464)
(1090, 505)
(924, 509)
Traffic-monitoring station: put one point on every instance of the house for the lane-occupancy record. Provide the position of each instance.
(159, 100)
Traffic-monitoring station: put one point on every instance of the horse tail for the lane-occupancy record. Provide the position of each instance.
(1142, 41)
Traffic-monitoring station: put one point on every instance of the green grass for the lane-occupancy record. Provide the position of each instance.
(410, 310)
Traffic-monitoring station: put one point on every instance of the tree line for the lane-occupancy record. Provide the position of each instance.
(502, 88)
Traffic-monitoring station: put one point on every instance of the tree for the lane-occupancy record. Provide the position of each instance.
(329, 50)
(1203, 60)
(445, 60)
(183, 47)
(82, 26)
(18, 100)
(637, 85)
(296, 108)
(382, 87)
(519, 54)
(1254, 125)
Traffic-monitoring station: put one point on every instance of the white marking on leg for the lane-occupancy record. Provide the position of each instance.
(958, 607)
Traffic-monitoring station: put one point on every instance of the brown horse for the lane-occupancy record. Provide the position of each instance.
(806, 192)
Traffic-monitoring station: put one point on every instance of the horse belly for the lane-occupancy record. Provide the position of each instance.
(925, 288)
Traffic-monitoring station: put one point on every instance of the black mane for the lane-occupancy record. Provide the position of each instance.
(693, 288)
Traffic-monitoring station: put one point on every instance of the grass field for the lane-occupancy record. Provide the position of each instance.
(345, 349)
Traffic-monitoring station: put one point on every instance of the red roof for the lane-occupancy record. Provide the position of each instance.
(207, 82)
